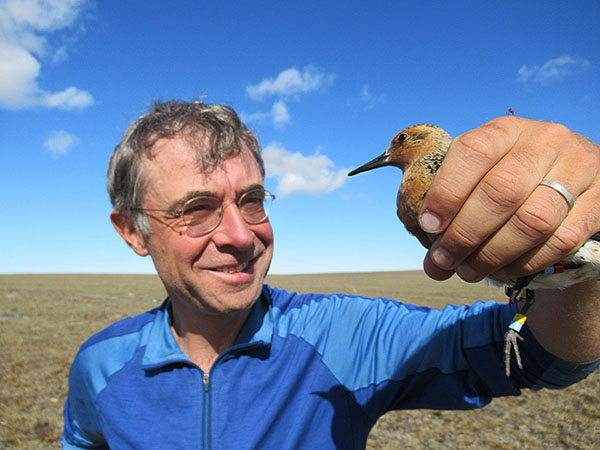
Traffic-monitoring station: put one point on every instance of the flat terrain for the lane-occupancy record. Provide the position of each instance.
(45, 318)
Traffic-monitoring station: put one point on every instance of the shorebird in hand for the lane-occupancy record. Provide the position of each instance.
(419, 151)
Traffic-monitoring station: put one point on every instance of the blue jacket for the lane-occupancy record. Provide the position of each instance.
(307, 371)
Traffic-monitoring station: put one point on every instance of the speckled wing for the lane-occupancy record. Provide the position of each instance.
(413, 188)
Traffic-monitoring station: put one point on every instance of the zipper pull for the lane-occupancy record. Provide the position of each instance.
(206, 381)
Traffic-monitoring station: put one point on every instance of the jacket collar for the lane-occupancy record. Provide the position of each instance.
(162, 349)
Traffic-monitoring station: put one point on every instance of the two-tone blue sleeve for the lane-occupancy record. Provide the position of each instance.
(81, 423)
(391, 355)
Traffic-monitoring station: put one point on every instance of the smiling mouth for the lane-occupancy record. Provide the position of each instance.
(233, 269)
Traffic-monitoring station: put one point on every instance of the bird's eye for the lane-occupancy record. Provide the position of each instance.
(402, 137)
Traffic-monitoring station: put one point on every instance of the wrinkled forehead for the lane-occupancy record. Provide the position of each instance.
(197, 142)
(199, 145)
(172, 159)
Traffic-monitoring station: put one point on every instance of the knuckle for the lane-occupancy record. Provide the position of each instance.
(555, 131)
(568, 142)
(485, 260)
(463, 238)
(477, 146)
(562, 243)
(445, 190)
(529, 267)
(526, 163)
(565, 241)
(501, 189)
(535, 222)
(590, 154)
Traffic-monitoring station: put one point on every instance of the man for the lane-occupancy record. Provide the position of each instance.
(227, 362)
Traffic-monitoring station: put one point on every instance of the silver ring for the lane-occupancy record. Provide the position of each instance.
(561, 190)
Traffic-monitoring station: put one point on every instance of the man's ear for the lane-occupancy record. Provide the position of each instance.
(123, 223)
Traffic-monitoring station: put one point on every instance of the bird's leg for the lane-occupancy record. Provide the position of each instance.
(517, 293)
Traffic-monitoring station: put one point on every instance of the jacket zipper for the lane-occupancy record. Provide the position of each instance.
(206, 412)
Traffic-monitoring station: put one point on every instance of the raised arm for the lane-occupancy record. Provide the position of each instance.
(495, 218)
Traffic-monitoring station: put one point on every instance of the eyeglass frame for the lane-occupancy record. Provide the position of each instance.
(179, 213)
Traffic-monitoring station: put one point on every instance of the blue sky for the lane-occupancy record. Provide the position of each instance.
(325, 85)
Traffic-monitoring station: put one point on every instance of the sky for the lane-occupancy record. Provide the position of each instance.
(325, 86)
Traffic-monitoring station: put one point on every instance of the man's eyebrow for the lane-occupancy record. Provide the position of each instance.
(252, 187)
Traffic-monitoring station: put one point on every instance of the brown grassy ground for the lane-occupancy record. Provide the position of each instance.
(44, 319)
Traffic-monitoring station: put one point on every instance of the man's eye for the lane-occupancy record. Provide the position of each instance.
(200, 207)
(252, 198)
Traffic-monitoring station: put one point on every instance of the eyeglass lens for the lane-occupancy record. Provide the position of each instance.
(203, 214)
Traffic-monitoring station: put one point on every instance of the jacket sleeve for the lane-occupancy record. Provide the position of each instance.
(81, 422)
(457, 360)
(392, 355)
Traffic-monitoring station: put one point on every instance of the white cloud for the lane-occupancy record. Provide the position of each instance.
(369, 99)
(60, 142)
(280, 113)
(18, 71)
(255, 117)
(314, 174)
(25, 26)
(290, 82)
(42, 15)
(552, 70)
(67, 99)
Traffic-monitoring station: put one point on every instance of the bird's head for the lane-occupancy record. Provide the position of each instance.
(408, 146)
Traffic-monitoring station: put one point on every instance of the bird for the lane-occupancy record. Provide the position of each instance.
(419, 152)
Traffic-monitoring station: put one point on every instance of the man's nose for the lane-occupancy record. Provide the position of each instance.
(233, 229)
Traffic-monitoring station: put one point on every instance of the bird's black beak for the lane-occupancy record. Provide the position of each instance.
(380, 161)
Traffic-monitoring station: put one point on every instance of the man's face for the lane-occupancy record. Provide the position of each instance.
(221, 272)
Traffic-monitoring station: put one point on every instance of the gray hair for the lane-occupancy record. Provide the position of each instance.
(195, 120)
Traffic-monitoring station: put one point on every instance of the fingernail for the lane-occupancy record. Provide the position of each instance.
(430, 222)
(442, 258)
(467, 273)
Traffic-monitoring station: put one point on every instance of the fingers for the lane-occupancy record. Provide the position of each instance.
(496, 217)
(566, 239)
(533, 223)
(544, 213)
(469, 158)
(434, 271)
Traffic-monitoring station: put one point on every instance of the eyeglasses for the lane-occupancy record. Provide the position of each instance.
(201, 215)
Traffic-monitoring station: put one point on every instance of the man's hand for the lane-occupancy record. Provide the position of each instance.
(494, 217)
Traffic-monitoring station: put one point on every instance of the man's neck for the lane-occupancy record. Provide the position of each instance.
(203, 337)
